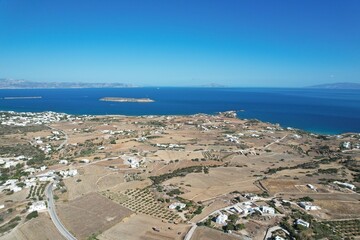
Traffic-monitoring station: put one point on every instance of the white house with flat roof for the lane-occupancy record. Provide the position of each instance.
(37, 206)
(177, 204)
(267, 210)
(311, 186)
(65, 162)
(302, 223)
(221, 219)
(347, 185)
(308, 206)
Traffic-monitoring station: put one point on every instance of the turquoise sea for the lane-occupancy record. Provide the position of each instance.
(316, 110)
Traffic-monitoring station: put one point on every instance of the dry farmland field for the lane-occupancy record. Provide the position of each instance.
(91, 214)
(204, 233)
(219, 181)
(140, 227)
(40, 228)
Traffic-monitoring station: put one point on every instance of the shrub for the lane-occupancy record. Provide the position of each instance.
(31, 215)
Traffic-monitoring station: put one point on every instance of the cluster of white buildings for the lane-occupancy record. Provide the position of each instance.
(11, 162)
(248, 208)
(232, 138)
(243, 209)
(68, 173)
(46, 148)
(12, 118)
(116, 132)
(349, 145)
(296, 136)
(170, 146)
(141, 139)
(45, 177)
(11, 185)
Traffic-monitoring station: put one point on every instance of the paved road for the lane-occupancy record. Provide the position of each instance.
(54, 217)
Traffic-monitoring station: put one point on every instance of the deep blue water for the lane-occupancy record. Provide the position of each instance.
(317, 110)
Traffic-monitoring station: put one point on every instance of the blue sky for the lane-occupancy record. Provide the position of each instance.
(275, 43)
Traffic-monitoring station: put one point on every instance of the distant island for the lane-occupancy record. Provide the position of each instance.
(338, 86)
(121, 99)
(15, 98)
(24, 84)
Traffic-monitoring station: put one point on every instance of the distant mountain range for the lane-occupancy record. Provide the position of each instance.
(24, 84)
(213, 85)
(338, 86)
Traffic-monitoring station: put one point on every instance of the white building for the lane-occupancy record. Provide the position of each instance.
(10, 182)
(45, 178)
(15, 188)
(267, 210)
(73, 172)
(311, 187)
(10, 164)
(65, 162)
(37, 206)
(308, 206)
(132, 161)
(346, 145)
(251, 196)
(221, 219)
(48, 176)
(30, 182)
(30, 170)
(279, 238)
(302, 223)
(347, 185)
(177, 204)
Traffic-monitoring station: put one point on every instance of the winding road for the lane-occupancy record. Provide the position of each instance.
(51, 207)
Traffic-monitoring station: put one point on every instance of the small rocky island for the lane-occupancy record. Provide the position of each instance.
(121, 99)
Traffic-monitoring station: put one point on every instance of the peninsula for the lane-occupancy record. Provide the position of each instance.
(15, 98)
(121, 99)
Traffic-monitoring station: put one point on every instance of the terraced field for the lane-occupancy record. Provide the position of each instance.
(143, 201)
(346, 229)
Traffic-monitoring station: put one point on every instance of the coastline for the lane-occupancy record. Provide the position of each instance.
(312, 110)
(314, 132)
